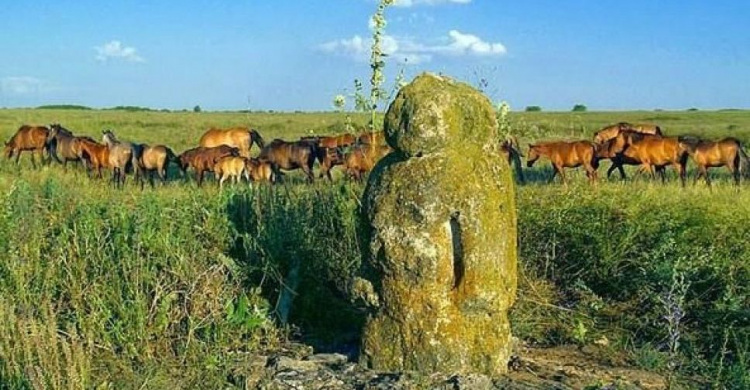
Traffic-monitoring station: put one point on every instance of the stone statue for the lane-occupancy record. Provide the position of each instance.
(439, 224)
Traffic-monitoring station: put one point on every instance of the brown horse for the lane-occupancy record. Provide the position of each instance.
(259, 170)
(363, 158)
(94, 154)
(329, 158)
(655, 152)
(63, 146)
(566, 155)
(609, 132)
(337, 141)
(372, 138)
(122, 155)
(242, 138)
(27, 138)
(155, 159)
(613, 149)
(291, 155)
(612, 131)
(708, 154)
(203, 159)
(647, 128)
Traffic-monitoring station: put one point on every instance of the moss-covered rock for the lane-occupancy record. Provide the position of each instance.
(440, 224)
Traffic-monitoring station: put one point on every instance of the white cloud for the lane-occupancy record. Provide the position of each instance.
(471, 44)
(114, 50)
(405, 48)
(22, 85)
(411, 3)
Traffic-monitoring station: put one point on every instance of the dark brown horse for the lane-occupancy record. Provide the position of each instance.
(727, 152)
(203, 159)
(566, 155)
(241, 138)
(291, 155)
(655, 152)
(363, 158)
(27, 138)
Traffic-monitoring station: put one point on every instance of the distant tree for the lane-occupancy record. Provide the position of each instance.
(692, 109)
(63, 107)
(197, 109)
(533, 108)
(579, 108)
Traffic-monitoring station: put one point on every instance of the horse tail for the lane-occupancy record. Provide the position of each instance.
(744, 163)
(171, 156)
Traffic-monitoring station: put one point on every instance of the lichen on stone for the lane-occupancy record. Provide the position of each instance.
(439, 228)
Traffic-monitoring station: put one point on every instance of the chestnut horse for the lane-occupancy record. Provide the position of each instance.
(94, 154)
(612, 131)
(566, 155)
(372, 138)
(613, 149)
(337, 141)
(709, 154)
(363, 158)
(655, 152)
(241, 138)
(27, 138)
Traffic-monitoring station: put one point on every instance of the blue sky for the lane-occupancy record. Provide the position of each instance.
(297, 55)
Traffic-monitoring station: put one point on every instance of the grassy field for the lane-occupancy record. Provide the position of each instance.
(177, 287)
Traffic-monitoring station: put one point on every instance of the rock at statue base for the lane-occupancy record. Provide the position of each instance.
(440, 235)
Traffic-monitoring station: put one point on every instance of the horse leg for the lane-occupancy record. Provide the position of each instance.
(554, 173)
(681, 173)
(704, 173)
(18, 156)
(562, 175)
(33, 160)
(733, 167)
(200, 177)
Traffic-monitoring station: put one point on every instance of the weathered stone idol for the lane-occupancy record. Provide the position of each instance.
(440, 230)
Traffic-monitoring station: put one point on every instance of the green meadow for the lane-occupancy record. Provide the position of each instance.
(179, 287)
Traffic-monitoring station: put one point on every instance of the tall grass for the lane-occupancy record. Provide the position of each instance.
(106, 288)
(174, 287)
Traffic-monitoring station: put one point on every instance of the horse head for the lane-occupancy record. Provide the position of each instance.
(256, 138)
(533, 155)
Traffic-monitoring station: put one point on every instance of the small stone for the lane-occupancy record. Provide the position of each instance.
(328, 359)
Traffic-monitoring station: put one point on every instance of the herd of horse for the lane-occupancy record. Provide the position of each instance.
(226, 154)
(223, 152)
(644, 145)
